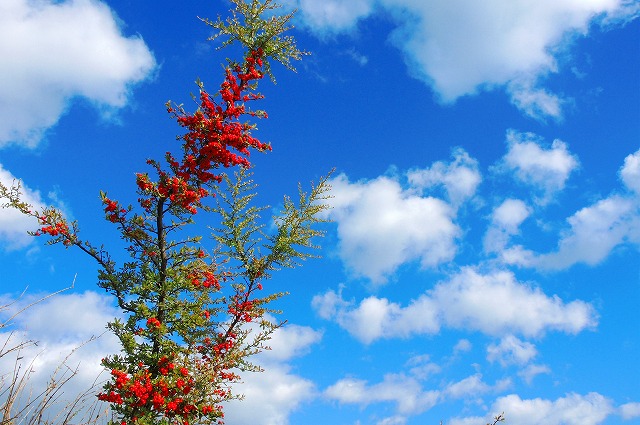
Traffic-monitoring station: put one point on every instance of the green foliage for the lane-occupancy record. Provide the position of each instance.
(245, 238)
(248, 26)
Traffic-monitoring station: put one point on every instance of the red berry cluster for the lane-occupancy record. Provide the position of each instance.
(215, 138)
(165, 395)
(54, 227)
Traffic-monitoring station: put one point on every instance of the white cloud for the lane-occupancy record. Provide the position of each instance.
(544, 170)
(381, 226)
(513, 44)
(329, 17)
(533, 370)
(630, 172)
(376, 318)
(393, 420)
(535, 101)
(630, 410)
(496, 303)
(60, 325)
(460, 178)
(511, 350)
(422, 367)
(505, 222)
(269, 397)
(13, 224)
(407, 394)
(56, 51)
(493, 303)
(573, 409)
(473, 387)
(593, 233)
(63, 322)
(272, 395)
(290, 341)
(462, 346)
(404, 391)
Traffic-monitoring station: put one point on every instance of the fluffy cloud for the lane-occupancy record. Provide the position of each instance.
(13, 224)
(499, 43)
(533, 370)
(534, 101)
(376, 318)
(56, 51)
(494, 304)
(630, 172)
(381, 226)
(63, 326)
(630, 411)
(593, 232)
(405, 391)
(505, 222)
(511, 350)
(544, 170)
(331, 16)
(573, 409)
(460, 178)
(290, 341)
(422, 367)
(62, 323)
(473, 386)
(271, 396)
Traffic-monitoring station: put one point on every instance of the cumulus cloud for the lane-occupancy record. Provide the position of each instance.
(533, 370)
(422, 367)
(494, 303)
(573, 409)
(61, 325)
(58, 50)
(407, 394)
(64, 322)
(376, 318)
(331, 16)
(535, 101)
(510, 44)
(511, 350)
(290, 341)
(393, 420)
(272, 395)
(269, 397)
(462, 346)
(404, 391)
(630, 172)
(544, 170)
(473, 386)
(505, 222)
(630, 411)
(460, 178)
(13, 224)
(592, 233)
(381, 226)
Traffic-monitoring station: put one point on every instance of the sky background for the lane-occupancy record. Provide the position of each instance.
(484, 251)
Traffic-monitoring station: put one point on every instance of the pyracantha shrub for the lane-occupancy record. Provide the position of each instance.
(194, 316)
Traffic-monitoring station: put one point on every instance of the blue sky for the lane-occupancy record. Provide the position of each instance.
(484, 250)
